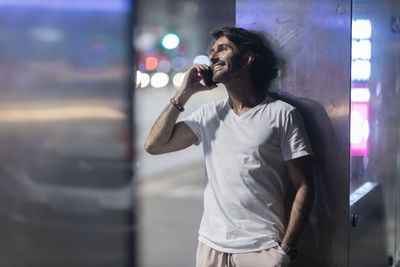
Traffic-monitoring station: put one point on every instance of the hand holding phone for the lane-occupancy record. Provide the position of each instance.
(207, 76)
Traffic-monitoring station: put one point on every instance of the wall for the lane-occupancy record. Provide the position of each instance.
(314, 40)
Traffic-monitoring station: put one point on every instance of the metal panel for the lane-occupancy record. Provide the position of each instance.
(379, 164)
(65, 133)
(313, 38)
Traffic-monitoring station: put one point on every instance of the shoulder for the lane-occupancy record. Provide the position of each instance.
(214, 106)
(279, 107)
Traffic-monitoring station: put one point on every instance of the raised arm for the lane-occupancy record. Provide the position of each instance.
(167, 135)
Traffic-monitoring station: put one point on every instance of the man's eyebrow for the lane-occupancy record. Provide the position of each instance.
(221, 45)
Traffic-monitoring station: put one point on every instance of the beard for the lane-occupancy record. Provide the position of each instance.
(232, 71)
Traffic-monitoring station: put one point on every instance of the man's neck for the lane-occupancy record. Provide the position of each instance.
(243, 96)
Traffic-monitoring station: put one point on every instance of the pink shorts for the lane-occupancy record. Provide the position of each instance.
(272, 257)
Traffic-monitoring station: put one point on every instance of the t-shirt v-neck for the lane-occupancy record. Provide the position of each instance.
(248, 113)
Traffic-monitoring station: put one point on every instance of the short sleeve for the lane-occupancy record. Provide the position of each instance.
(294, 140)
(194, 121)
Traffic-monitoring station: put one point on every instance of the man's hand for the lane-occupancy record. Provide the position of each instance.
(167, 135)
(192, 83)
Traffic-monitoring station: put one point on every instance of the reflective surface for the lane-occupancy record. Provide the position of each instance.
(170, 186)
(375, 150)
(65, 134)
(314, 41)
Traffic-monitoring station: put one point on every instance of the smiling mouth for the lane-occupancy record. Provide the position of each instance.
(217, 67)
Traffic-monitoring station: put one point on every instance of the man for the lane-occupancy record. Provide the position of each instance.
(251, 143)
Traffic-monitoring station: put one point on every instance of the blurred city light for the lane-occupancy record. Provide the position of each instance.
(159, 79)
(151, 63)
(50, 35)
(145, 41)
(102, 5)
(178, 79)
(142, 79)
(170, 41)
(164, 66)
(178, 63)
(201, 59)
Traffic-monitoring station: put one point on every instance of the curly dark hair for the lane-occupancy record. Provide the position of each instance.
(265, 66)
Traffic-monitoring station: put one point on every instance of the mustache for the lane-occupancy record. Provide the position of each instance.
(218, 63)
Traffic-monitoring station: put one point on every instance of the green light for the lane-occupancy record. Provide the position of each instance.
(170, 41)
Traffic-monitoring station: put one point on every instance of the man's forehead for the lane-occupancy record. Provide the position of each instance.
(222, 40)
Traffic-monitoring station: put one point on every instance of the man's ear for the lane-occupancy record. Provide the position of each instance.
(248, 58)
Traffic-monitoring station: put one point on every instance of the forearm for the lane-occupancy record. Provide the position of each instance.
(163, 128)
(299, 214)
(167, 135)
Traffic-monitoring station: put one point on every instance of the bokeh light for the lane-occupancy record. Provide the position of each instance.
(145, 40)
(159, 79)
(164, 66)
(177, 80)
(170, 41)
(201, 59)
(178, 63)
(142, 79)
(151, 63)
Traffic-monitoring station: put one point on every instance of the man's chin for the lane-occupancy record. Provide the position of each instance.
(217, 78)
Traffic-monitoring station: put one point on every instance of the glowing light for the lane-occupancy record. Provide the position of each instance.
(57, 114)
(201, 59)
(159, 79)
(151, 63)
(164, 66)
(361, 49)
(145, 41)
(50, 35)
(72, 5)
(361, 29)
(178, 63)
(178, 79)
(359, 128)
(138, 74)
(360, 95)
(361, 70)
(144, 80)
(170, 41)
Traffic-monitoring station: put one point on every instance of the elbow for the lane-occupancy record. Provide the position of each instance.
(151, 149)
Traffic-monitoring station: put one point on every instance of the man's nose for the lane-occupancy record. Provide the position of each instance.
(213, 58)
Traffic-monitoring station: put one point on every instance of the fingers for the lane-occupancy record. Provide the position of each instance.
(198, 68)
(205, 72)
(193, 78)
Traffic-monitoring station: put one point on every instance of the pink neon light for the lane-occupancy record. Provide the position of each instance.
(359, 130)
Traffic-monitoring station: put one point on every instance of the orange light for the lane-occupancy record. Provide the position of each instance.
(151, 63)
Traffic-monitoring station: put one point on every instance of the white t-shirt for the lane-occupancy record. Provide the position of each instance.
(245, 178)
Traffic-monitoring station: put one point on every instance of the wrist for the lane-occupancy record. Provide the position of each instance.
(289, 250)
(182, 96)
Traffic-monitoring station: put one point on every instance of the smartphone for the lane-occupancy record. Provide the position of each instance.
(207, 76)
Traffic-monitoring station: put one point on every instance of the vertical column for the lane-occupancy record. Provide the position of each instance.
(314, 40)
